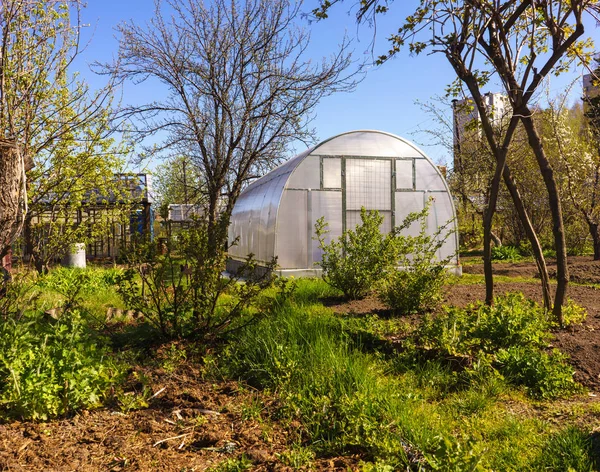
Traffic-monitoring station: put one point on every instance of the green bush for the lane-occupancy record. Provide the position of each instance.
(52, 367)
(417, 282)
(509, 337)
(506, 253)
(355, 262)
(403, 270)
(545, 375)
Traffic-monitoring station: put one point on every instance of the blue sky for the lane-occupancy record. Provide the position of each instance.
(386, 99)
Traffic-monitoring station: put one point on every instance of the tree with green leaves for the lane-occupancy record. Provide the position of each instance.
(178, 181)
(59, 126)
(517, 43)
(577, 139)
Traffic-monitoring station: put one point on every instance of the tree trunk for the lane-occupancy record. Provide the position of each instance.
(11, 186)
(595, 232)
(533, 239)
(497, 241)
(488, 216)
(562, 271)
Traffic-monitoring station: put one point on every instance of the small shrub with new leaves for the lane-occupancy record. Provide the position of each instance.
(183, 292)
(404, 270)
(359, 259)
(417, 283)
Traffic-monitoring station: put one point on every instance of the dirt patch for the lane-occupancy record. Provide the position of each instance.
(582, 269)
(192, 425)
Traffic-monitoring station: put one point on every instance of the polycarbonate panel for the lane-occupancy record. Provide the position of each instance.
(367, 143)
(353, 220)
(263, 223)
(404, 174)
(442, 212)
(273, 203)
(332, 172)
(292, 230)
(427, 176)
(406, 203)
(307, 174)
(328, 205)
(368, 184)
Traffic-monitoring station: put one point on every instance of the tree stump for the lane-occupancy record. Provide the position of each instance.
(11, 189)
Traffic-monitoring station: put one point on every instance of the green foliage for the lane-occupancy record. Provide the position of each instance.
(177, 181)
(573, 314)
(67, 280)
(452, 456)
(359, 259)
(52, 367)
(506, 253)
(297, 458)
(568, 450)
(400, 412)
(335, 391)
(418, 284)
(233, 465)
(183, 292)
(404, 270)
(509, 337)
(544, 375)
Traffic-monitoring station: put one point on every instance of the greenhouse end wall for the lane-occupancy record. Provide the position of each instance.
(276, 215)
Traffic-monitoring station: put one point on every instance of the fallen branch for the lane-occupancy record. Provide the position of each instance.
(169, 439)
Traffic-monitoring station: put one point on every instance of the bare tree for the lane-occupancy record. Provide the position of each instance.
(519, 42)
(238, 88)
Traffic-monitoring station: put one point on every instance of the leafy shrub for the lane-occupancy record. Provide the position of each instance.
(509, 337)
(506, 253)
(417, 282)
(184, 293)
(545, 375)
(52, 367)
(359, 259)
(403, 269)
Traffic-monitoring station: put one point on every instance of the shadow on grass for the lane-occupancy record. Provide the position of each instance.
(137, 336)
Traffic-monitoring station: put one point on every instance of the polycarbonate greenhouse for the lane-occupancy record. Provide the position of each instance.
(276, 214)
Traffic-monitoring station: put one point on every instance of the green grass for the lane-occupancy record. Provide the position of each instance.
(351, 397)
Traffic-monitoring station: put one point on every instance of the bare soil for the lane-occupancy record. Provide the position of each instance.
(192, 425)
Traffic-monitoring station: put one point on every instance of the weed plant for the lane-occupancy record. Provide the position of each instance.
(506, 254)
(50, 367)
(510, 338)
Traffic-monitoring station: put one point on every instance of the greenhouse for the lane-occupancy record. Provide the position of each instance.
(276, 215)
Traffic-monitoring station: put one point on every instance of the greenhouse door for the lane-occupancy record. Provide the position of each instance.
(368, 183)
